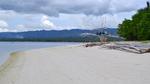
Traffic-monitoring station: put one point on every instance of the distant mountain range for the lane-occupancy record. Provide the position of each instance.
(52, 35)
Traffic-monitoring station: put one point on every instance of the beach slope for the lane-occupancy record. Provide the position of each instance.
(76, 65)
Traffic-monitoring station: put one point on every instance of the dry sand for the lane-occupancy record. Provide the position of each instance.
(76, 65)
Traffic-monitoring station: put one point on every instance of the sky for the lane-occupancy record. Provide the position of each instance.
(32, 15)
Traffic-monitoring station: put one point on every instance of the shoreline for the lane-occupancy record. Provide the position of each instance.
(8, 47)
(4, 64)
(75, 64)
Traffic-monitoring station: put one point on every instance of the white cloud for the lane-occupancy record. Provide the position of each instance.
(4, 27)
(44, 17)
(6, 15)
(3, 24)
(34, 15)
(20, 26)
(4, 30)
(106, 20)
(46, 22)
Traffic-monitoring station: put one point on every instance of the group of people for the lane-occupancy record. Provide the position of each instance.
(103, 36)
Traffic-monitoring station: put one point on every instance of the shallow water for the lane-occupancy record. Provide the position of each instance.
(8, 47)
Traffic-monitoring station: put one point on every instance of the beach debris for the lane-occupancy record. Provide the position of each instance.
(94, 44)
(138, 48)
(134, 47)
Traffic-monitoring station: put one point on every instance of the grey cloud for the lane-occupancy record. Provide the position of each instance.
(55, 7)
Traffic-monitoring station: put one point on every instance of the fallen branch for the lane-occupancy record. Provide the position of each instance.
(133, 48)
(129, 48)
(94, 44)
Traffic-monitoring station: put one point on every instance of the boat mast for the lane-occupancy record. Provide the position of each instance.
(102, 33)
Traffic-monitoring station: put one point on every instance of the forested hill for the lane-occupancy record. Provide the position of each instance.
(53, 35)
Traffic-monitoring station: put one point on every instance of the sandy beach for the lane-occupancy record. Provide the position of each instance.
(76, 65)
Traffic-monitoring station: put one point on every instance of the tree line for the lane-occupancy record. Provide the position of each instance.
(138, 28)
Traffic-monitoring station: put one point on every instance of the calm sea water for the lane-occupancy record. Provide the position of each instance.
(8, 47)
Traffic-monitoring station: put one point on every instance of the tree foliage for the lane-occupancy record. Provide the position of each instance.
(138, 28)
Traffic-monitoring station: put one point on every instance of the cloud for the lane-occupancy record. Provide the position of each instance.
(32, 22)
(4, 30)
(3, 24)
(5, 15)
(56, 7)
(106, 20)
(31, 15)
(46, 23)
(35, 24)
(4, 27)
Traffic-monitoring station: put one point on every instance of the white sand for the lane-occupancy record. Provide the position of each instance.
(76, 65)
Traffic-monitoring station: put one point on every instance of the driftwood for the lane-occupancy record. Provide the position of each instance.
(133, 48)
(90, 45)
(94, 44)
(129, 48)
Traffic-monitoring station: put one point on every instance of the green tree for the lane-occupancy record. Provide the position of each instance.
(138, 28)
